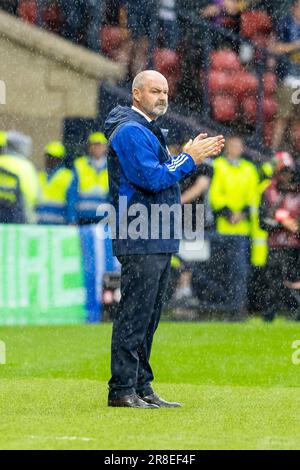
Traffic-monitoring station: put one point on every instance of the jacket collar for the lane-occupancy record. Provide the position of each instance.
(141, 113)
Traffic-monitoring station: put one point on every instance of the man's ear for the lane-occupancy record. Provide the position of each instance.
(137, 94)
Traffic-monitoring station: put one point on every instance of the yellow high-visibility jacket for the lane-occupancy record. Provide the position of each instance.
(29, 184)
(92, 187)
(52, 206)
(259, 247)
(233, 188)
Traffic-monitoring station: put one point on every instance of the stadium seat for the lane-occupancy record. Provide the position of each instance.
(249, 108)
(244, 83)
(167, 62)
(255, 23)
(27, 11)
(219, 82)
(111, 39)
(225, 61)
(268, 132)
(270, 107)
(224, 108)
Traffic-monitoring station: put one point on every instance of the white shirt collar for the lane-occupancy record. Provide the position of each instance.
(141, 113)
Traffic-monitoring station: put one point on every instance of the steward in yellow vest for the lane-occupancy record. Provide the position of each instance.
(22, 180)
(90, 174)
(55, 183)
(233, 190)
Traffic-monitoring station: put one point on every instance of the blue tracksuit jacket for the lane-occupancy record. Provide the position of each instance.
(141, 168)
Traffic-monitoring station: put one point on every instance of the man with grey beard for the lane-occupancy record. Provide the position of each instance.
(141, 168)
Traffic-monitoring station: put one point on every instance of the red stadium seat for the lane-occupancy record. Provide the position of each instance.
(52, 17)
(244, 83)
(249, 108)
(268, 133)
(270, 108)
(219, 82)
(224, 108)
(254, 23)
(225, 61)
(27, 10)
(111, 39)
(167, 62)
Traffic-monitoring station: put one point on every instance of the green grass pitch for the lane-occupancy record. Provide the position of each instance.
(237, 382)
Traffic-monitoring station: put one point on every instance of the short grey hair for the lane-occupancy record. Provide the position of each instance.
(138, 81)
(141, 77)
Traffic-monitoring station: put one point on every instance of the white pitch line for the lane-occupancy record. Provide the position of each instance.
(63, 438)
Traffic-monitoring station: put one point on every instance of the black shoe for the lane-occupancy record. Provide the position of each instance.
(268, 317)
(154, 399)
(130, 401)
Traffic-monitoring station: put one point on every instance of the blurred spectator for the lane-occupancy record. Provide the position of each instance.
(188, 11)
(198, 37)
(115, 41)
(11, 6)
(167, 24)
(54, 204)
(90, 181)
(82, 21)
(112, 11)
(142, 21)
(280, 215)
(193, 40)
(227, 14)
(233, 197)
(94, 14)
(259, 246)
(19, 144)
(13, 158)
(224, 13)
(194, 191)
(233, 190)
(276, 8)
(11, 198)
(289, 70)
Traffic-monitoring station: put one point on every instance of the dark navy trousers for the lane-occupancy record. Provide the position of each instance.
(144, 282)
